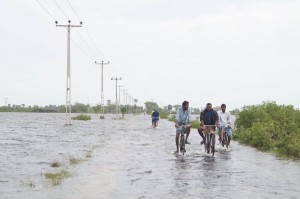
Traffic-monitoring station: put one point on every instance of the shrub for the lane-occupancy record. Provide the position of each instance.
(270, 127)
(82, 117)
(163, 115)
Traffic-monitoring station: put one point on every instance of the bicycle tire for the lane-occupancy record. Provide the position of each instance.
(182, 144)
(208, 143)
(226, 140)
(213, 142)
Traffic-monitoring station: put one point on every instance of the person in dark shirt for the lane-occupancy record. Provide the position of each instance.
(155, 118)
(207, 117)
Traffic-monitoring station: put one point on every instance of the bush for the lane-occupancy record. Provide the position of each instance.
(195, 124)
(82, 117)
(164, 115)
(270, 127)
(172, 118)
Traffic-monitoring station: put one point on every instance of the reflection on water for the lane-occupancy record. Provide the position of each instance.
(129, 159)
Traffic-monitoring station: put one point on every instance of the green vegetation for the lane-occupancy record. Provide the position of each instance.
(172, 118)
(270, 127)
(82, 117)
(123, 111)
(76, 108)
(55, 164)
(56, 178)
(29, 184)
(195, 124)
(74, 161)
(164, 115)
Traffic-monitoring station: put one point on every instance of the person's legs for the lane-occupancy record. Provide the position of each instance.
(201, 134)
(177, 142)
(229, 133)
(220, 133)
(187, 131)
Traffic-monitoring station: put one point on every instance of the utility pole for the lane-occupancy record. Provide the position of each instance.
(102, 92)
(120, 93)
(5, 101)
(124, 90)
(117, 110)
(68, 92)
(127, 102)
(130, 97)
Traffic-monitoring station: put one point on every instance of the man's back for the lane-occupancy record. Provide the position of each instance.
(155, 114)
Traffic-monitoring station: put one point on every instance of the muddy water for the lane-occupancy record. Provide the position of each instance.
(129, 159)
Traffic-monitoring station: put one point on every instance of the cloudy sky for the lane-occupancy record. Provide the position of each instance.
(234, 52)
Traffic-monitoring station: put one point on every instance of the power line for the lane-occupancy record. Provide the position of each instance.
(74, 11)
(88, 34)
(45, 10)
(87, 45)
(62, 11)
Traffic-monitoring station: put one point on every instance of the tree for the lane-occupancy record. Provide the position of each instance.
(170, 107)
(150, 106)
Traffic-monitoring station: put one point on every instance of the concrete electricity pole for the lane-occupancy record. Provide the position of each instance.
(68, 92)
(124, 90)
(120, 93)
(102, 92)
(117, 110)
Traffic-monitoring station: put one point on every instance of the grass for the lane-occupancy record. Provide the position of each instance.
(58, 177)
(55, 164)
(88, 154)
(29, 184)
(75, 161)
(82, 117)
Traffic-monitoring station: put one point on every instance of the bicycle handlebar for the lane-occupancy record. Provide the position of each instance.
(210, 125)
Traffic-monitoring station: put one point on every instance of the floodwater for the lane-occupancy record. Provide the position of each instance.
(129, 159)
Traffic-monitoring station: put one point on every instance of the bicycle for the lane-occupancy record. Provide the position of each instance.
(182, 138)
(224, 136)
(154, 122)
(209, 140)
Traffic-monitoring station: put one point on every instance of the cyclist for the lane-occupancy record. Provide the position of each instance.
(207, 117)
(183, 117)
(225, 122)
(155, 118)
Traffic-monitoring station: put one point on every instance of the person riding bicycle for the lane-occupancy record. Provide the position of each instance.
(207, 117)
(155, 117)
(183, 117)
(224, 123)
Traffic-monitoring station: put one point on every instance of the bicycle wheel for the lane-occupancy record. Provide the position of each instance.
(213, 140)
(182, 144)
(208, 143)
(226, 140)
(204, 143)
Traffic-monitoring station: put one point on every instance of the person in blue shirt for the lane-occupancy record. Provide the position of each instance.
(155, 118)
(183, 117)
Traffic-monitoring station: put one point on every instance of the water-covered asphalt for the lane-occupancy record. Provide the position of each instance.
(130, 159)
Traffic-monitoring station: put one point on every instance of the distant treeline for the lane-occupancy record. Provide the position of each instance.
(76, 108)
(270, 127)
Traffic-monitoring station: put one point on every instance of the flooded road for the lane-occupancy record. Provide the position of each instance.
(130, 159)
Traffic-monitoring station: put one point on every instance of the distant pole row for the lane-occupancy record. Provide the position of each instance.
(68, 86)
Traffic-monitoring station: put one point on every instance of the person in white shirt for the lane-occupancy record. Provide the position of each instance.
(224, 122)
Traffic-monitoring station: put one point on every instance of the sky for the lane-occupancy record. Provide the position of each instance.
(167, 51)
